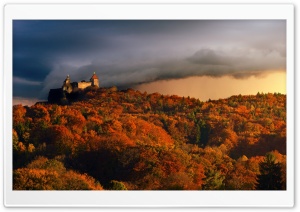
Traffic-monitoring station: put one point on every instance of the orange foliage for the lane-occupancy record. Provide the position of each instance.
(45, 174)
(148, 141)
(18, 113)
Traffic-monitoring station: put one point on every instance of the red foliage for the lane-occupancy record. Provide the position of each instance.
(149, 141)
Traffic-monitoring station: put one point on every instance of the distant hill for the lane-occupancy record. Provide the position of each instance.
(110, 139)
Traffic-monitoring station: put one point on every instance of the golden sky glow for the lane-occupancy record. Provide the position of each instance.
(215, 88)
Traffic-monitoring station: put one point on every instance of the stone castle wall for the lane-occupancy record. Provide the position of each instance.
(83, 85)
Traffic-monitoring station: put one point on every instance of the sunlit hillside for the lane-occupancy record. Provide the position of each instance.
(127, 140)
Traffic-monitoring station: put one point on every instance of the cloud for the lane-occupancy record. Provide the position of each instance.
(205, 62)
(31, 67)
(237, 63)
(209, 57)
(23, 81)
(27, 90)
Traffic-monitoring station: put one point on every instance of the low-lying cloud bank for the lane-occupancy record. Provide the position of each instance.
(205, 62)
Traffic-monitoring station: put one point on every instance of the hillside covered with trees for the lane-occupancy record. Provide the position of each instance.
(128, 140)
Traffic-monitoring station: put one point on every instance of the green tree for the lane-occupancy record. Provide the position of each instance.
(270, 174)
(116, 185)
(214, 180)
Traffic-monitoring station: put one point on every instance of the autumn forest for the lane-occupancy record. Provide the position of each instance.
(110, 139)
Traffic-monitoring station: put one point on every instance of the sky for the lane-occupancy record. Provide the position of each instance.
(205, 59)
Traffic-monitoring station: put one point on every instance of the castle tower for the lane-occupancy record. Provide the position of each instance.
(67, 80)
(95, 80)
(67, 85)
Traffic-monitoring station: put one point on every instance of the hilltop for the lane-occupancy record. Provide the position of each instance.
(109, 139)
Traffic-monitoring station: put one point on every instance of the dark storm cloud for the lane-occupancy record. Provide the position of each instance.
(127, 53)
(31, 68)
(209, 56)
(239, 64)
(26, 91)
(39, 45)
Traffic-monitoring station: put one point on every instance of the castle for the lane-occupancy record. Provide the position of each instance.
(69, 90)
(69, 87)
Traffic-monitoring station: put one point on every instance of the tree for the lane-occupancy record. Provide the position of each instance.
(59, 140)
(270, 174)
(240, 178)
(45, 174)
(214, 180)
(116, 185)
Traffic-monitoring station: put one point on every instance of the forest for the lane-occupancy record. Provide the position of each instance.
(110, 139)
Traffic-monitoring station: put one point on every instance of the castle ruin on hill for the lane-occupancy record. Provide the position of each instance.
(69, 90)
